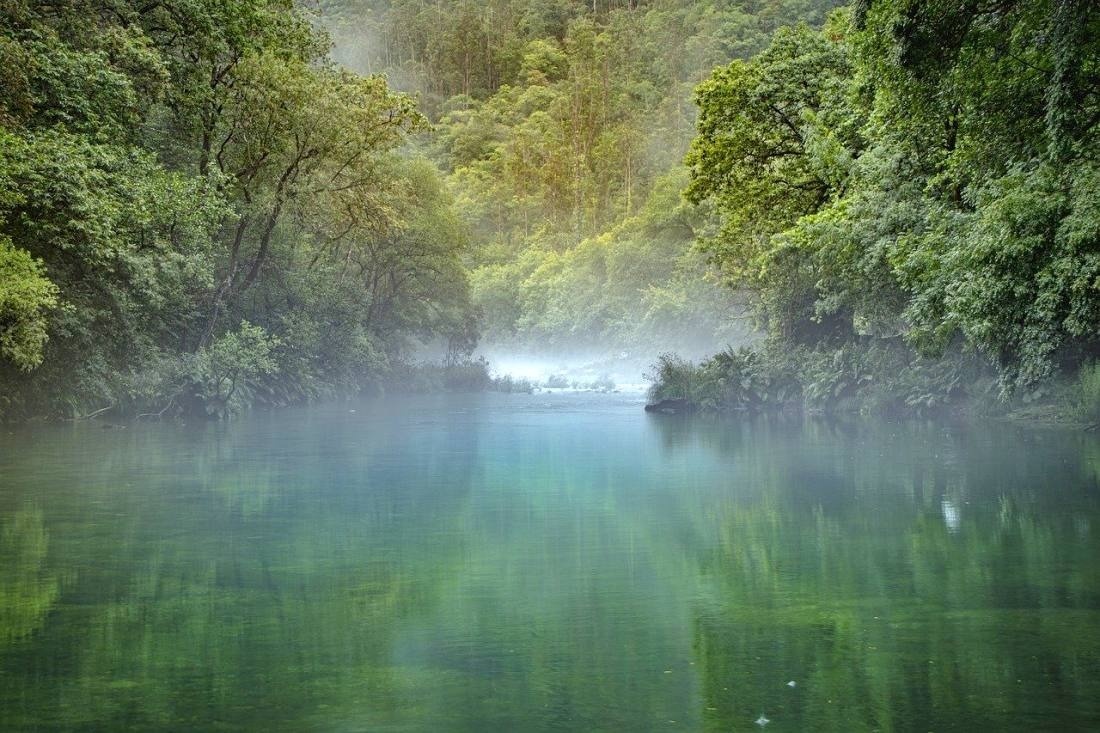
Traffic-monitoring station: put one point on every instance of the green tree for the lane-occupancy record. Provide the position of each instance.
(26, 298)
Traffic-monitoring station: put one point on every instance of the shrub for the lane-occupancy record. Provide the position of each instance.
(603, 383)
(509, 385)
(748, 379)
(673, 378)
(832, 376)
(26, 297)
(220, 379)
(470, 375)
(557, 381)
(874, 377)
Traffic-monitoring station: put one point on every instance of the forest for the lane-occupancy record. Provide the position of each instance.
(207, 205)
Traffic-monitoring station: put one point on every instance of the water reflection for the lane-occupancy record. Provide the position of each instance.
(28, 589)
(548, 563)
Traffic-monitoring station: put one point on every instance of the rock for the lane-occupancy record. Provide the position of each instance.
(671, 407)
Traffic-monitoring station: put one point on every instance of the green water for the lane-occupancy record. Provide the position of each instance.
(548, 562)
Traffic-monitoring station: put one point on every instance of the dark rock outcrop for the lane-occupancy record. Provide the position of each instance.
(671, 407)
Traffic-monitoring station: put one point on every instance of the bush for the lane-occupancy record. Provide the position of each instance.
(26, 297)
(730, 380)
(832, 376)
(876, 377)
(509, 385)
(220, 379)
(747, 379)
(673, 378)
(470, 375)
(557, 381)
(603, 383)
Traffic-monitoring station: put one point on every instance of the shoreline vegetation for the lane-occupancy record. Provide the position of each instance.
(206, 206)
(875, 380)
(465, 375)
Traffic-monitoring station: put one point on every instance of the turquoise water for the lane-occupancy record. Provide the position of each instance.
(548, 562)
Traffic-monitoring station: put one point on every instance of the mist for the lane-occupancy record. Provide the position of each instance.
(630, 367)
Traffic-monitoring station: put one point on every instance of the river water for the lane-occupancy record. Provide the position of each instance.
(548, 562)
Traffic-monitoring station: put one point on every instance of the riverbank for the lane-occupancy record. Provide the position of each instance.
(869, 379)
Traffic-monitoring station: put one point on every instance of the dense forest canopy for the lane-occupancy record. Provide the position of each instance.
(913, 180)
(197, 200)
(921, 168)
(209, 204)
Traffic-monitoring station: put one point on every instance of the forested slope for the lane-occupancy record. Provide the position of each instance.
(561, 128)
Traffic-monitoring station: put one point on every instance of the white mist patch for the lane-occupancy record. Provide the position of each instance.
(521, 368)
(574, 372)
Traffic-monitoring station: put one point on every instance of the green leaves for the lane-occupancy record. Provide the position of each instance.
(905, 179)
(159, 164)
(771, 143)
(26, 298)
(224, 375)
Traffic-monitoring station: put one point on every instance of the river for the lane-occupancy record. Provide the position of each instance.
(548, 562)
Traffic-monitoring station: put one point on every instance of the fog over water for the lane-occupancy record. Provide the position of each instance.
(624, 369)
(627, 368)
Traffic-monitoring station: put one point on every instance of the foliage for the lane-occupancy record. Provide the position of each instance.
(26, 297)
(557, 381)
(511, 385)
(463, 375)
(602, 383)
(756, 152)
(924, 169)
(903, 170)
(673, 378)
(875, 378)
(172, 172)
(225, 374)
(639, 285)
(561, 131)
